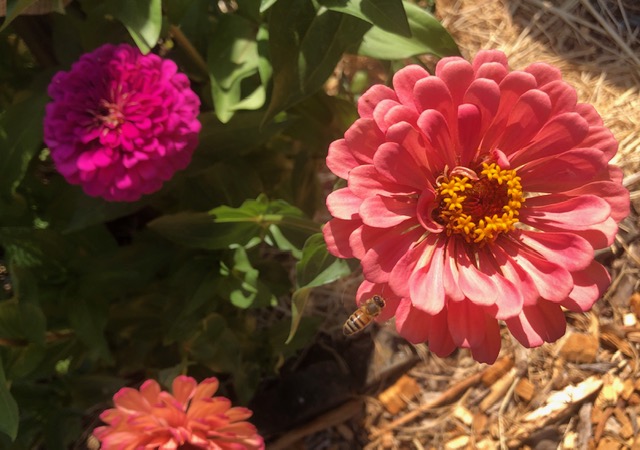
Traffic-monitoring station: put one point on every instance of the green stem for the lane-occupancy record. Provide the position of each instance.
(191, 52)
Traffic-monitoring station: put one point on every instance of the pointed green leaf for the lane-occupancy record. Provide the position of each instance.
(318, 266)
(298, 302)
(305, 47)
(232, 57)
(388, 15)
(14, 9)
(20, 139)
(428, 36)
(143, 20)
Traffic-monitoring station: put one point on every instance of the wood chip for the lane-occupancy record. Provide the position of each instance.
(626, 428)
(629, 320)
(497, 371)
(580, 348)
(628, 388)
(396, 396)
(463, 414)
(457, 443)
(607, 443)
(561, 401)
(498, 390)
(525, 390)
(611, 390)
(634, 302)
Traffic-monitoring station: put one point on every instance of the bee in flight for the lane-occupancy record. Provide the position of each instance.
(363, 316)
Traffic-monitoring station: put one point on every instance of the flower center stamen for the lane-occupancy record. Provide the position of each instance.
(480, 209)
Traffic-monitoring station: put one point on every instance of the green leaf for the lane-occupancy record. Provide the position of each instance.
(21, 322)
(14, 9)
(200, 230)
(224, 227)
(20, 139)
(28, 247)
(9, 416)
(206, 345)
(388, 15)
(241, 135)
(232, 57)
(88, 317)
(266, 4)
(305, 47)
(299, 300)
(143, 20)
(318, 266)
(428, 36)
(242, 284)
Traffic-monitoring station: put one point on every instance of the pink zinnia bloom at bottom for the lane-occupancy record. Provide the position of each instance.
(476, 195)
(189, 418)
(121, 123)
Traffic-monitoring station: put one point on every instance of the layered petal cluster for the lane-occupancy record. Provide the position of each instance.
(189, 418)
(121, 123)
(476, 195)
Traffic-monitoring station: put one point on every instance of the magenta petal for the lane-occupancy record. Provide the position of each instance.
(552, 281)
(337, 233)
(561, 134)
(451, 274)
(358, 147)
(426, 283)
(562, 172)
(475, 285)
(562, 95)
(488, 57)
(526, 119)
(397, 163)
(343, 204)
(509, 298)
(615, 194)
(565, 249)
(538, 324)
(488, 350)
(404, 81)
(433, 93)
(385, 247)
(588, 286)
(457, 75)
(386, 212)
(374, 95)
(411, 323)
(544, 73)
(582, 211)
(469, 133)
(366, 181)
(437, 132)
(465, 323)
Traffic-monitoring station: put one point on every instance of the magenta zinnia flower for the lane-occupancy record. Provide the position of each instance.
(188, 419)
(475, 195)
(121, 123)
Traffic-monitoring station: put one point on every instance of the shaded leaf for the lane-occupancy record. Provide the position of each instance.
(388, 15)
(305, 47)
(318, 266)
(20, 139)
(14, 9)
(143, 20)
(232, 57)
(8, 408)
(299, 300)
(427, 36)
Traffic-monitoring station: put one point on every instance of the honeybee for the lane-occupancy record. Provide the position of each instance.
(363, 316)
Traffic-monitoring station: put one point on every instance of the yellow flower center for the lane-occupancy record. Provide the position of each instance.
(479, 209)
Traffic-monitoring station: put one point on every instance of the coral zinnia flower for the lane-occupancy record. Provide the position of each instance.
(188, 419)
(475, 195)
(121, 123)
